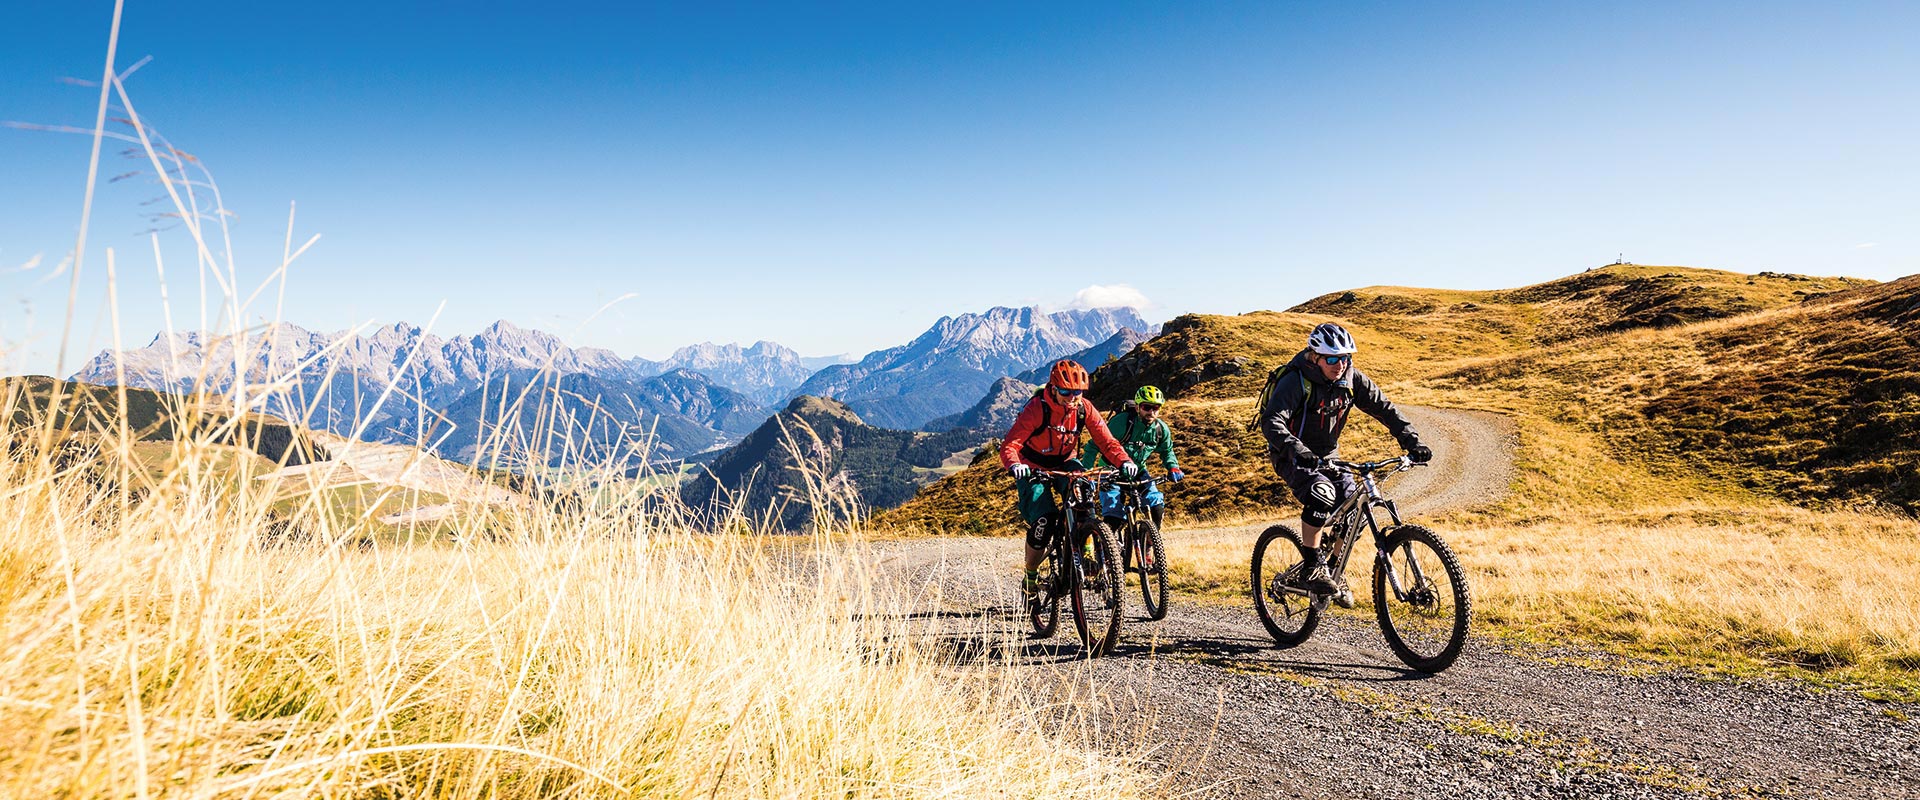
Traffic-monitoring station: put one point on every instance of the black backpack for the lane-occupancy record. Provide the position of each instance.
(1046, 412)
(1266, 392)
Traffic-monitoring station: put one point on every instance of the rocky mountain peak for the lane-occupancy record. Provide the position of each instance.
(766, 349)
(766, 371)
(948, 367)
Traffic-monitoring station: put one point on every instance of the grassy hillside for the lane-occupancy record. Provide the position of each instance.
(309, 474)
(1448, 348)
(778, 470)
(89, 412)
(1674, 425)
(1817, 404)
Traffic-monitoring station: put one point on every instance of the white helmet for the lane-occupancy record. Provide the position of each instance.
(1331, 340)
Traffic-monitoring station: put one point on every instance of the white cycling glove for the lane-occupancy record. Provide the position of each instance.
(1020, 471)
(1130, 471)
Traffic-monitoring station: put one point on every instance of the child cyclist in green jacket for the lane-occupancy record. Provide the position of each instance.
(1141, 432)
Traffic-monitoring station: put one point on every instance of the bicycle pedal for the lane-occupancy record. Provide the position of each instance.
(1343, 598)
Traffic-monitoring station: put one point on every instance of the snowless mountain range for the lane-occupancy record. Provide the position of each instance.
(464, 396)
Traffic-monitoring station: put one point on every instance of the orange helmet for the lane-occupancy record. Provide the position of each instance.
(1068, 375)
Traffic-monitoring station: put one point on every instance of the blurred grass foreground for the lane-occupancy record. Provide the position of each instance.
(197, 601)
(161, 636)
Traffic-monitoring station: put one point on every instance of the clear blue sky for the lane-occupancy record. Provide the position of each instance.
(836, 176)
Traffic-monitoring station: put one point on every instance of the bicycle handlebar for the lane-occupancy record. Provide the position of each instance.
(1400, 464)
(1068, 473)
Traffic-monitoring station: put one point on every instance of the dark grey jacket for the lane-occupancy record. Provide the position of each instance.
(1305, 413)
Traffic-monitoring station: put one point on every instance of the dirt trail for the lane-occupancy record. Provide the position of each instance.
(1220, 712)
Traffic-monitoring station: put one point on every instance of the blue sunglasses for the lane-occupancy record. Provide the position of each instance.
(1336, 360)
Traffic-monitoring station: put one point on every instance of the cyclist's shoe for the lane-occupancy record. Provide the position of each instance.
(1095, 570)
(1296, 576)
(1030, 584)
(1090, 568)
(1343, 595)
(1319, 579)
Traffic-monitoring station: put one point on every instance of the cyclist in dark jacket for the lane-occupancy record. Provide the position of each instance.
(1302, 420)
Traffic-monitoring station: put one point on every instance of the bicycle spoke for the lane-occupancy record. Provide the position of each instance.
(1288, 614)
(1426, 621)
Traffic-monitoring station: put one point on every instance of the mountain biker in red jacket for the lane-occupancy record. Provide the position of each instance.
(1046, 435)
(1302, 419)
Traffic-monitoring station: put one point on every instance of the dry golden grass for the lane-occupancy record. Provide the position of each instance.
(1645, 513)
(159, 649)
(161, 637)
(1779, 590)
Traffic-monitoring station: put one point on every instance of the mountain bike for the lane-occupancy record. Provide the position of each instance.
(1092, 590)
(1142, 552)
(1420, 593)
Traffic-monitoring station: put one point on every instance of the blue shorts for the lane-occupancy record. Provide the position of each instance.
(1110, 500)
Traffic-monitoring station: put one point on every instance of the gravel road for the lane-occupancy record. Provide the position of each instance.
(1205, 699)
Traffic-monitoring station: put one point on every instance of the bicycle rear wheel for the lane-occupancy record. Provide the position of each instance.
(1288, 613)
(1097, 604)
(1427, 627)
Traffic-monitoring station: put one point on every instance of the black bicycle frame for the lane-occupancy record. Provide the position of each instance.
(1360, 507)
(1082, 500)
(1079, 501)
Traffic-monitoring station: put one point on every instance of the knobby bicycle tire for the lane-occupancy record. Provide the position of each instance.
(1044, 609)
(1459, 598)
(1097, 617)
(1287, 629)
(1152, 566)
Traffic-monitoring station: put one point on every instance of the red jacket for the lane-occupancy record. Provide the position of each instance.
(1049, 446)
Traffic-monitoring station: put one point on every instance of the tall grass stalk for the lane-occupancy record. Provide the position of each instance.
(206, 623)
(162, 648)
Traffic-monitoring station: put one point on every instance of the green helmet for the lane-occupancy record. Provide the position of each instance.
(1149, 396)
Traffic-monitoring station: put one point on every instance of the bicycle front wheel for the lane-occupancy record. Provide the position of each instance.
(1150, 561)
(1425, 619)
(1043, 606)
(1286, 610)
(1096, 597)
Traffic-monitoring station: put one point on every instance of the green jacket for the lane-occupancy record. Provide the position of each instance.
(1138, 439)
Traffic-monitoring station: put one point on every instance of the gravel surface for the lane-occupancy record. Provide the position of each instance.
(1206, 700)
(1472, 460)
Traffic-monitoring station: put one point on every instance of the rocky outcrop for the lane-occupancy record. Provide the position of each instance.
(1096, 356)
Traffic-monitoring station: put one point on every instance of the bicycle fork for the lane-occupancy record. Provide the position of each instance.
(1383, 560)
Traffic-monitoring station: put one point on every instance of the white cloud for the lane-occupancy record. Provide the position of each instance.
(1118, 295)
(1865, 245)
